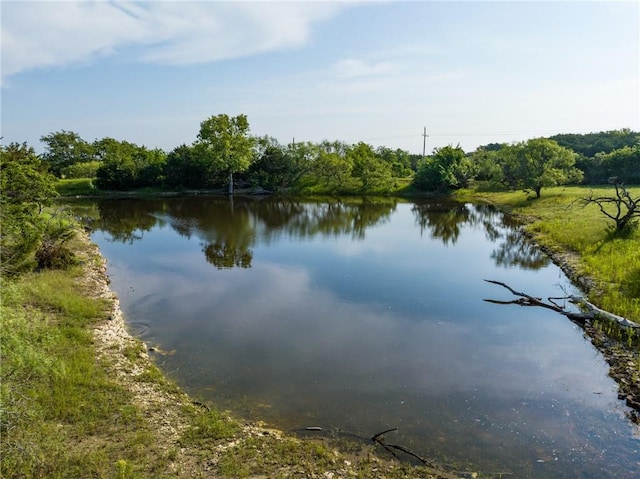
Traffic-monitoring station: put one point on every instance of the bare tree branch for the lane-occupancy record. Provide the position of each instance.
(621, 208)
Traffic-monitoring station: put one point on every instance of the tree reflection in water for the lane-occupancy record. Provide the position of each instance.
(445, 219)
(230, 228)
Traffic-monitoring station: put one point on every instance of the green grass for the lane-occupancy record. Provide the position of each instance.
(557, 221)
(59, 410)
(76, 187)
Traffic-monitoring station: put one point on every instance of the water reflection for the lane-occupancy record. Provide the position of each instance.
(517, 250)
(351, 316)
(444, 220)
(229, 229)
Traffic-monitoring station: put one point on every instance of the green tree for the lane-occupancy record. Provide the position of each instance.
(274, 168)
(399, 160)
(126, 166)
(186, 168)
(622, 164)
(488, 168)
(447, 168)
(374, 173)
(65, 148)
(25, 189)
(540, 163)
(590, 144)
(86, 169)
(227, 144)
(332, 171)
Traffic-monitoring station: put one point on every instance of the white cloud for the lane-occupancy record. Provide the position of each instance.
(49, 34)
(353, 68)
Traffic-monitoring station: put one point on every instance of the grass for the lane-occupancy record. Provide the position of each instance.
(558, 222)
(61, 414)
(76, 187)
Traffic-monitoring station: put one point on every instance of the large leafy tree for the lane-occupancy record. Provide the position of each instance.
(539, 163)
(400, 161)
(125, 166)
(25, 188)
(187, 167)
(65, 148)
(447, 168)
(332, 171)
(227, 144)
(374, 173)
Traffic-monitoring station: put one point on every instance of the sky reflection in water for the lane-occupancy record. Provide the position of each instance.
(366, 317)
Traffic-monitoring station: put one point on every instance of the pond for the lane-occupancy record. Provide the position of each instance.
(358, 316)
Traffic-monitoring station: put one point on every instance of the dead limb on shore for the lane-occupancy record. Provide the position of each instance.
(590, 313)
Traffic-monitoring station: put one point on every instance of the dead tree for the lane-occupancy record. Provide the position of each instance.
(621, 208)
(592, 312)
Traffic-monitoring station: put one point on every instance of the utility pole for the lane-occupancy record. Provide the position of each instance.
(424, 142)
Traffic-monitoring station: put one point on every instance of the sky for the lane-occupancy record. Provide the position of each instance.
(471, 73)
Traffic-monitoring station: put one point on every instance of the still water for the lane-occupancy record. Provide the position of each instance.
(359, 316)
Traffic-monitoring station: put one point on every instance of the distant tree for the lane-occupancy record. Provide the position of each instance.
(539, 163)
(623, 164)
(488, 167)
(275, 167)
(227, 144)
(65, 148)
(126, 166)
(186, 167)
(603, 142)
(447, 168)
(332, 170)
(85, 169)
(399, 160)
(374, 173)
(491, 147)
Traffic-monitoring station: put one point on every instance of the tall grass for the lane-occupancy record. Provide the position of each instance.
(76, 187)
(59, 411)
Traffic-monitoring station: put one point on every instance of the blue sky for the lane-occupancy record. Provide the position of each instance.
(470, 72)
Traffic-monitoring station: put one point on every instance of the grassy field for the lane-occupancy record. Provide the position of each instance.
(560, 223)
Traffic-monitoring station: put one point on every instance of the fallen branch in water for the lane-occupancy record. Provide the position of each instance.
(593, 312)
(378, 438)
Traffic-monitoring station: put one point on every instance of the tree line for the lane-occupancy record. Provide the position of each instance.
(225, 154)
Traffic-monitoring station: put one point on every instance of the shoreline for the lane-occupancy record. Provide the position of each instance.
(165, 406)
(618, 355)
